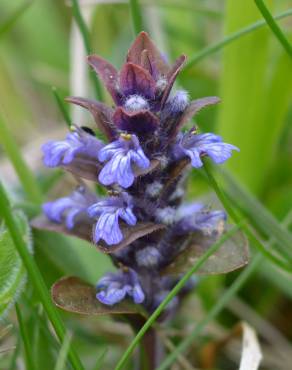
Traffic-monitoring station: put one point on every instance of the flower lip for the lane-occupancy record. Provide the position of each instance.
(114, 287)
(197, 145)
(69, 208)
(120, 156)
(108, 212)
(77, 142)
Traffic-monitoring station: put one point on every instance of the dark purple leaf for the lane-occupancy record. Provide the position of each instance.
(74, 295)
(131, 234)
(171, 77)
(84, 167)
(135, 54)
(232, 255)
(108, 74)
(82, 230)
(141, 122)
(137, 80)
(102, 114)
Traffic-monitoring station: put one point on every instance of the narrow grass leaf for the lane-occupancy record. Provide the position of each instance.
(62, 107)
(34, 274)
(260, 217)
(136, 16)
(63, 354)
(25, 339)
(86, 39)
(122, 363)
(230, 38)
(274, 26)
(246, 229)
(100, 360)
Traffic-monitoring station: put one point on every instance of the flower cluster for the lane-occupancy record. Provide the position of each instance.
(143, 223)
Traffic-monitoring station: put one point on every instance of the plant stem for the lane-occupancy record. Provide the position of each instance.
(230, 38)
(87, 44)
(27, 347)
(121, 364)
(136, 16)
(62, 108)
(274, 26)
(35, 276)
(24, 173)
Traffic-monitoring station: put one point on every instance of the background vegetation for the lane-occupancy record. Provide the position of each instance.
(41, 47)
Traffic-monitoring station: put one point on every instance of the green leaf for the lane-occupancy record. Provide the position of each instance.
(232, 255)
(12, 270)
(74, 295)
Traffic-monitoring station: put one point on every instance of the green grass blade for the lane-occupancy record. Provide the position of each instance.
(35, 276)
(86, 39)
(10, 21)
(61, 360)
(26, 344)
(62, 107)
(274, 26)
(122, 363)
(246, 229)
(99, 362)
(13, 360)
(24, 173)
(230, 38)
(136, 16)
(261, 218)
(224, 299)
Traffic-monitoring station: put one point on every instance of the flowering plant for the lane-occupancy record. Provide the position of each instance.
(143, 223)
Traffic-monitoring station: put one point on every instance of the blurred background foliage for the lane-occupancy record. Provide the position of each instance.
(252, 76)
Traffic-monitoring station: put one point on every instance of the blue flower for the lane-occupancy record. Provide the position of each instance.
(108, 213)
(114, 287)
(197, 217)
(69, 208)
(57, 153)
(195, 146)
(121, 155)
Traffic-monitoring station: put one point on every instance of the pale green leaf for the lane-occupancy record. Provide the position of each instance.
(12, 271)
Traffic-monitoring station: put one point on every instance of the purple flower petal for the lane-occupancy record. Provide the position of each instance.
(113, 287)
(195, 146)
(121, 155)
(68, 208)
(63, 152)
(108, 213)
